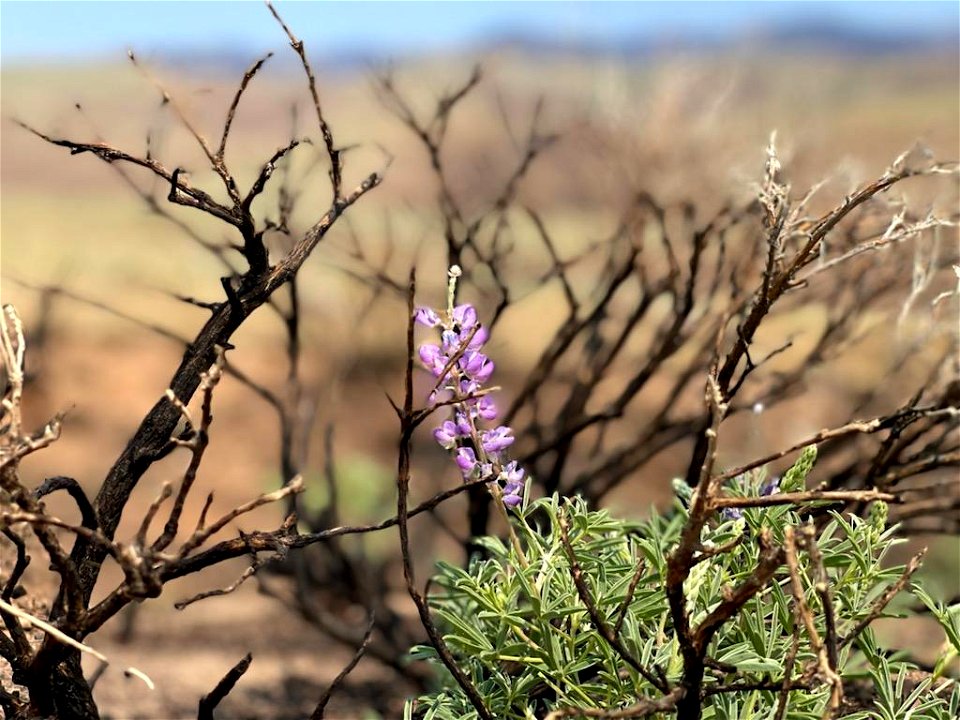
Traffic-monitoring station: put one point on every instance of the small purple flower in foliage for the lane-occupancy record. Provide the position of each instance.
(498, 439)
(477, 451)
(515, 489)
(511, 500)
(513, 479)
(513, 486)
(731, 513)
(772, 487)
(513, 473)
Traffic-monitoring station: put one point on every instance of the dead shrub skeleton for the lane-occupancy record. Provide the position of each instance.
(720, 279)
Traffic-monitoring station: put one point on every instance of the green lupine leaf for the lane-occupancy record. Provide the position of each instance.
(520, 628)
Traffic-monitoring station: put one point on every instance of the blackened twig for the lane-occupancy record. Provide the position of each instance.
(209, 702)
(318, 712)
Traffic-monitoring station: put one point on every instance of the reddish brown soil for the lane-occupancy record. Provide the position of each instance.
(107, 384)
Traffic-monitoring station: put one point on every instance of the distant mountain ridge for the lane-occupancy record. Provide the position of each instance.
(819, 37)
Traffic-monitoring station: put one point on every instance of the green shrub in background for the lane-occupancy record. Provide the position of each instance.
(521, 630)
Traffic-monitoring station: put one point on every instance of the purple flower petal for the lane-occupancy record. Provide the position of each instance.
(498, 439)
(433, 359)
(478, 339)
(512, 500)
(483, 368)
(473, 363)
(465, 316)
(512, 473)
(466, 460)
(426, 316)
(463, 425)
(486, 409)
(771, 488)
(512, 488)
(447, 435)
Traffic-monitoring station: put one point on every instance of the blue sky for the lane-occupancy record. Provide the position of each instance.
(32, 30)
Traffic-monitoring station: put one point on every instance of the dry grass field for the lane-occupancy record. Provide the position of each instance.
(686, 127)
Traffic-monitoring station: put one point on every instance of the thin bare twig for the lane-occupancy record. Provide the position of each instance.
(806, 615)
(61, 637)
(644, 708)
(876, 609)
(318, 712)
(209, 702)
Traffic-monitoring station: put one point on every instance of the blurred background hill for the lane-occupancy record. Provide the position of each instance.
(676, 99)
(669, 97)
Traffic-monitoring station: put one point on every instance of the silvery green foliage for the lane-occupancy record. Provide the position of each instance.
(523, 635)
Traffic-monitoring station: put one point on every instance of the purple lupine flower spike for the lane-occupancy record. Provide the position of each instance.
(477, 451)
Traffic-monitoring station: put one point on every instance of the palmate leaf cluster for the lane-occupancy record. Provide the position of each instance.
(521, 631)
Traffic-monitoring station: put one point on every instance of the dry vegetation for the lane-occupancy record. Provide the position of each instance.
(626, 240)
